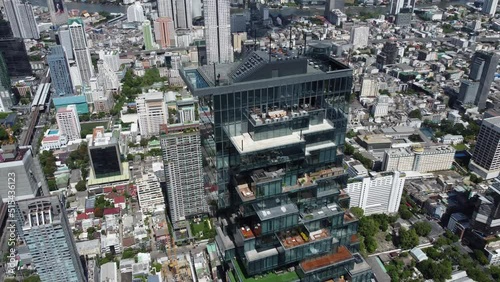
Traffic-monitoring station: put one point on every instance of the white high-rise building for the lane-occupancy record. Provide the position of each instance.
(111, 58)
(68, 122)
(490, 7)
(149, 193)
(217, 31)
(65, 40)
(135, 13)
(81, 51)
(397, 5)
(381, 108)
(22, 19)
(378, 193)
(152, 112)
(180, 11)
(107, 77)
(359, 36)
(369, 87)
(182, 158)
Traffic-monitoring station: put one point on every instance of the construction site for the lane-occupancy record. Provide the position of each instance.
(177, 268)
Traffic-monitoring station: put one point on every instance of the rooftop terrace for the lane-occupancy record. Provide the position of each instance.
(300, 236)
(341, 255)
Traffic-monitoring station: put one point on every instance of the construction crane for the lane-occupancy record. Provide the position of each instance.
(9, 132)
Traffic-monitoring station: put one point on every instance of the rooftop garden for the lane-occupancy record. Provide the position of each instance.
(276, 276)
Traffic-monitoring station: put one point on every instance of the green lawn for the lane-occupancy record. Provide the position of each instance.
(460, 147)
(92, 125)
(205, 226)
(271, 277)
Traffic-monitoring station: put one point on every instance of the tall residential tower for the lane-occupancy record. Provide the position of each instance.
(59, 71)
(486, 157)
(43, 226)
(217, 31)
(181, 146)
(81, 50)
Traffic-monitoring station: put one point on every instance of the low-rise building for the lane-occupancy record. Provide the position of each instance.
(419, 159)
(449, 139)
(493, 252)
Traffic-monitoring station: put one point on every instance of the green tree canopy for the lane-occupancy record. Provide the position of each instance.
(422, 228)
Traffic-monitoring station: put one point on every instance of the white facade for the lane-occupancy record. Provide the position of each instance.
(369, 87)
(377, 194)
(68, 122)
(110, 241)
(449, 139)
(81, 52)
(359, 37)
(22, 19)
(419, 159)
(149, 193)
(381, 108)
(152, 112)
(107, 77)
(111, 58)
(53, 141)
(135, 13)
(109, 272)
(5, 101)
(218, 31)
(493, 252)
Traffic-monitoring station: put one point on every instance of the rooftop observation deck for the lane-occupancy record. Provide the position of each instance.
(300, 236)
(341, 255)
(260, 65)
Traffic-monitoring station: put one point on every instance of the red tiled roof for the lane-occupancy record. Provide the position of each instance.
(111, 211)
(82, 216)
(50, 138)
(342, 254)
(119, 200)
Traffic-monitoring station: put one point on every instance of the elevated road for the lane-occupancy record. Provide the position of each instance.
(430, 39)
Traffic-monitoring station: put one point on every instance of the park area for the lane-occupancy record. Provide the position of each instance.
(202, 228)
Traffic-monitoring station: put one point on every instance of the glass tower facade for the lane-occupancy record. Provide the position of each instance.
(275, 126)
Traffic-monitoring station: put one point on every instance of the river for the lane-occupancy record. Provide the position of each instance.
(314, 10)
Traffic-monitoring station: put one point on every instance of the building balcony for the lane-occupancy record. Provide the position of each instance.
(341, 256)
(349, 217)
(327, 173)
(245, 193)
(248, 232)
(300, 236)
(325, 212)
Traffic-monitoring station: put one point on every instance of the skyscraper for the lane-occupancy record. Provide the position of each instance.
(43, 226)
(486, 157)
(104, 153)
(180, 11)
(165, 32)
(65, 41)
(184, 17)
(181, 146)
(277, 137)
(398, 5)
(217, 31)
(152, 112)
(81, 50)
(68, 122)
(333, 5)
(59, 71)
(147, 34)
(490, 7)
(481, 75)
(22, 19)
(15, 56)
(58, 14)
(135, 13)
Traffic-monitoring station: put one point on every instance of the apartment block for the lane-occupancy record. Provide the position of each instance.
(152, 112)
(43, 226)
(434, 158)
(149, 192)
(68, 122)
(378, 193)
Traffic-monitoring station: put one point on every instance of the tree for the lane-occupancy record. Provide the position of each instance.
(481, 257)
(371, 244)
(422, 228)
(367, 227)
(349, 150)
(404, 212)
(474, 178)
(130, 157)
(52, 184)
(33, 278)
(358, 212)
(439, 272)
(144, 142)
(415, 114)
(408, 238)
(351, 134)
(81, 185)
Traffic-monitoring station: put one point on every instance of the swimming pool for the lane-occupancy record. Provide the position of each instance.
(53, 131)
